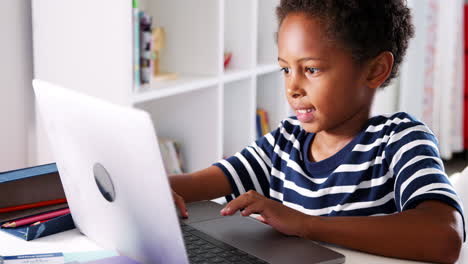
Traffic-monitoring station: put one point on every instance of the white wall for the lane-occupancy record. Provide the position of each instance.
(386, 99)
(16, 71)
(68, 33)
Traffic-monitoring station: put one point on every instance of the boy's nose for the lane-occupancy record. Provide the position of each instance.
(295, 91)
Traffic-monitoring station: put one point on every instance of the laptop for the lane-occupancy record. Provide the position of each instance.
(119, 194)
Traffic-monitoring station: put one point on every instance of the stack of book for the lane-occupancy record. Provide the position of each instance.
(142, 47)
(33, 202)
(146, 53)
(262, 122)
(172, 156)
(33, 214)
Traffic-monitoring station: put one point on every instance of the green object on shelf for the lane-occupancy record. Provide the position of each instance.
(134, 5)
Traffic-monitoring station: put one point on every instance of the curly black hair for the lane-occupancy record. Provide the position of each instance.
(363, 27)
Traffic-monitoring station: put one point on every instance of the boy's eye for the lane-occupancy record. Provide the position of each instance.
(312, 70)
(285, 70)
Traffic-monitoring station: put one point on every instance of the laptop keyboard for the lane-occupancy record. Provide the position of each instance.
(202, 248)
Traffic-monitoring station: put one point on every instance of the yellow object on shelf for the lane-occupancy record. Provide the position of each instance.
(159, 40)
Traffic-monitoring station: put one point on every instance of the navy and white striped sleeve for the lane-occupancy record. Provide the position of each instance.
(413, 157)
(250, 168)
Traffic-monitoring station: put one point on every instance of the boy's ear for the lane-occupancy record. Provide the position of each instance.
(379, 69)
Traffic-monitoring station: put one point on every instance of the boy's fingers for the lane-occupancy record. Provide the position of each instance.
(182, 208)
(180, 204)
(237, 204)
(253, 208)
(261, 219)
(233, 206)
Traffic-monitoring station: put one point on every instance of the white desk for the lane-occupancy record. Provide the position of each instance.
(73, 241)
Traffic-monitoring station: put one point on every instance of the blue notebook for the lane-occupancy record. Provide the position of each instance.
(53, 226)
(19, 174)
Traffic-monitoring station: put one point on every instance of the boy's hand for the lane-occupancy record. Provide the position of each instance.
(180, 204)
(280, 217)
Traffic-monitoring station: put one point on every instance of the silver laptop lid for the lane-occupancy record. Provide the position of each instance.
(112, 172)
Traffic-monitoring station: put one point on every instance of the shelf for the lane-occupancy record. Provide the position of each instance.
(192, 34)
(267, 68)
(271, 97)
(267, 27)
(183, 84)
(239, 16)
(209, 109)
(193, 121)
(239, 115)
(231, 75)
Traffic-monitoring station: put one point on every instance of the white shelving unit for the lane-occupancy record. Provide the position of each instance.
(87, 45)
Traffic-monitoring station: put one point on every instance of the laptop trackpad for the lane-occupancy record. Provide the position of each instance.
(202, 211)
(264, 242)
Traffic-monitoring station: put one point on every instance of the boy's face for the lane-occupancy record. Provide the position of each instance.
(324, 86)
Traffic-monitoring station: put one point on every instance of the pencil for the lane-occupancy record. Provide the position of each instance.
(33, 219)
(32, 205)
(40, 222)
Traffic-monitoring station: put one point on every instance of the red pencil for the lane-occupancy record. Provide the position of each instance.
(40, 222)
(33, 219)
(33, 205)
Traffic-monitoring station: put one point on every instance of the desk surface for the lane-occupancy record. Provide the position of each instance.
(73, 241)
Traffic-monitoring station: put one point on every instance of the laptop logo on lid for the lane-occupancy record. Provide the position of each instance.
(104, 182)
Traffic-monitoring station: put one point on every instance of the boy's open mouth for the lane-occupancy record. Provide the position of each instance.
(304, 111)
(305, 114)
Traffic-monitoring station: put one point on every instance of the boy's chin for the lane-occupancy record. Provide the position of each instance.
(310, 128)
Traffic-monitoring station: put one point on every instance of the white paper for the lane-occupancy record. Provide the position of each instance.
(53, 258)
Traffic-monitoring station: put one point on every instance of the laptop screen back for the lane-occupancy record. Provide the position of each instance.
(113, 176)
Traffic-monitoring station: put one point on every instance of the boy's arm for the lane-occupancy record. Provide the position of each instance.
(433, 231)
(205, 184)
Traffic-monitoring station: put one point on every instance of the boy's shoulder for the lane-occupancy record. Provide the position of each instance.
(396, 121)
(397, 126)
(395, 117)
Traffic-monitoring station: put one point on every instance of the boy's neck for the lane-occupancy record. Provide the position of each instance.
(327, 143)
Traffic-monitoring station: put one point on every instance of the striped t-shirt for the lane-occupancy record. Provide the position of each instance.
(392, 165)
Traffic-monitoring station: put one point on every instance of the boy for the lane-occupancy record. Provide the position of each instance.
(322, 174)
